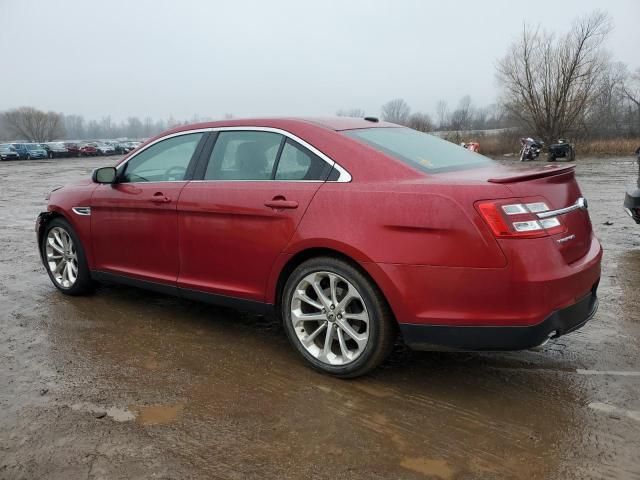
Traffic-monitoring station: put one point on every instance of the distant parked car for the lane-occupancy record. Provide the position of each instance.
(88, 150)
(8, 152)
(73, 148)
(27, 151)
(56, 149)
(134, 145)
(103, 148)
(123, 147)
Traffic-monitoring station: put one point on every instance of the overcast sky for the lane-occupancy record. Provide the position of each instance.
(278, 57)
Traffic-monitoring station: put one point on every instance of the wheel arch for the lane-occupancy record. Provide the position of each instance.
(44, 219)
(369, 269)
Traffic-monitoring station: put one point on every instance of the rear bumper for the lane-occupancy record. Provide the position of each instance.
(471, 338)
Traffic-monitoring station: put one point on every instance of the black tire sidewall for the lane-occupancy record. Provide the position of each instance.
(83, 282)
(368, 293)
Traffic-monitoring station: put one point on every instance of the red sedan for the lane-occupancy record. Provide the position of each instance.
(88, 150)
(350, 230)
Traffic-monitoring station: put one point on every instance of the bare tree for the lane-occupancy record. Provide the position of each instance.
(442, 112)
(549, 84)
(420, 121)
(396, 111)
(462, 117)
(351, 112)
(34, 125)
(74, 126)
(631, 89)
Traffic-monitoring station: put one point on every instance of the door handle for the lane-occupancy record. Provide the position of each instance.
(281, 203)
(160, 197)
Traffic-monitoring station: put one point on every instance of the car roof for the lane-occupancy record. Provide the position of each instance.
(329, 123)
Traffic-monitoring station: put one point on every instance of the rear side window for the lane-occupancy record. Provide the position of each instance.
(244, 155)
(298, 163)
(421, 151)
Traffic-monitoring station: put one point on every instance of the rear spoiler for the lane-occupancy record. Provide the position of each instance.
(548, 171)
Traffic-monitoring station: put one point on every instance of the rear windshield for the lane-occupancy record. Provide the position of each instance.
(421, 151)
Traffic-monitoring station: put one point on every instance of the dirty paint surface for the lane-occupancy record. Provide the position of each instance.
(131, 384)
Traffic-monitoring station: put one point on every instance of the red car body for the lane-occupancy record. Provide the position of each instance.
(436, 245)
(88, 150)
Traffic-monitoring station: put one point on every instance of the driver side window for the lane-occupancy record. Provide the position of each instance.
(164, 161)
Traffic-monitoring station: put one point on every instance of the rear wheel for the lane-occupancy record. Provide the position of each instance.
(64, 258)
(336, 318)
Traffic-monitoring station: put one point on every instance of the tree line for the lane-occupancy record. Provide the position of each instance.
(33, 125)
(551, 86)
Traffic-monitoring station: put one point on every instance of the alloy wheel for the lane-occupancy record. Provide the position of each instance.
(61, 257)
(330, 318)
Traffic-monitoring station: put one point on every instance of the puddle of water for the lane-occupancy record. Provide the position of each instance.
(158, 414)
(429, 467)
(117, 414)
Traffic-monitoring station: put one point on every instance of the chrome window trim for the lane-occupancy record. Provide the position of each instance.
(343, 177)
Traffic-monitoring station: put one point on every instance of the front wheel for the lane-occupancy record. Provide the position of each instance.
(64, 258)
(336, 318)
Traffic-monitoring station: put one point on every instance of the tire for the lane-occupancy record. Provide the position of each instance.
(82, 283)
(380, 328)
(28, 157)
(552, 158)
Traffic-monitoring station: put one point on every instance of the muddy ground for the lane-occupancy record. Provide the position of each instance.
(130, 384)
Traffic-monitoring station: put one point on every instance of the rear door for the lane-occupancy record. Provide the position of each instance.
(134, 222)
(254, 188)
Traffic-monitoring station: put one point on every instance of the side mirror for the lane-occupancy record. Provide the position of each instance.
(104, 175)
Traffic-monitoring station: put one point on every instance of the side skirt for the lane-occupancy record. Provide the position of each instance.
(200, 296)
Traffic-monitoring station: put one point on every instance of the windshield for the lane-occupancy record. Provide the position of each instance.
(421, 151)
(34, 146)
(6, 148)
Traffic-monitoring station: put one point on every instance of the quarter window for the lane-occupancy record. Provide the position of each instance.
(298, 163)
(244, 155)
(164, 161)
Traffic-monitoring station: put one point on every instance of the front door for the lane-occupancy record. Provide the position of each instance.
(134, 221)
(235, 222)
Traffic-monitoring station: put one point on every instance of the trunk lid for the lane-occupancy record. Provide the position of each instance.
(554, 185)
(558, 188)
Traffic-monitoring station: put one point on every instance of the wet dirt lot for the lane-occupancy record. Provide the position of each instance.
(131, 384)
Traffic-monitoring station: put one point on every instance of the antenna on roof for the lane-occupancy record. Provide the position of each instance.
(372, 119)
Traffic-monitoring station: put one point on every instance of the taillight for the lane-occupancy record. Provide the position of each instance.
(508, 219)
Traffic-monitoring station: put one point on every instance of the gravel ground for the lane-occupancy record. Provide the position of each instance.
(131, 384)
